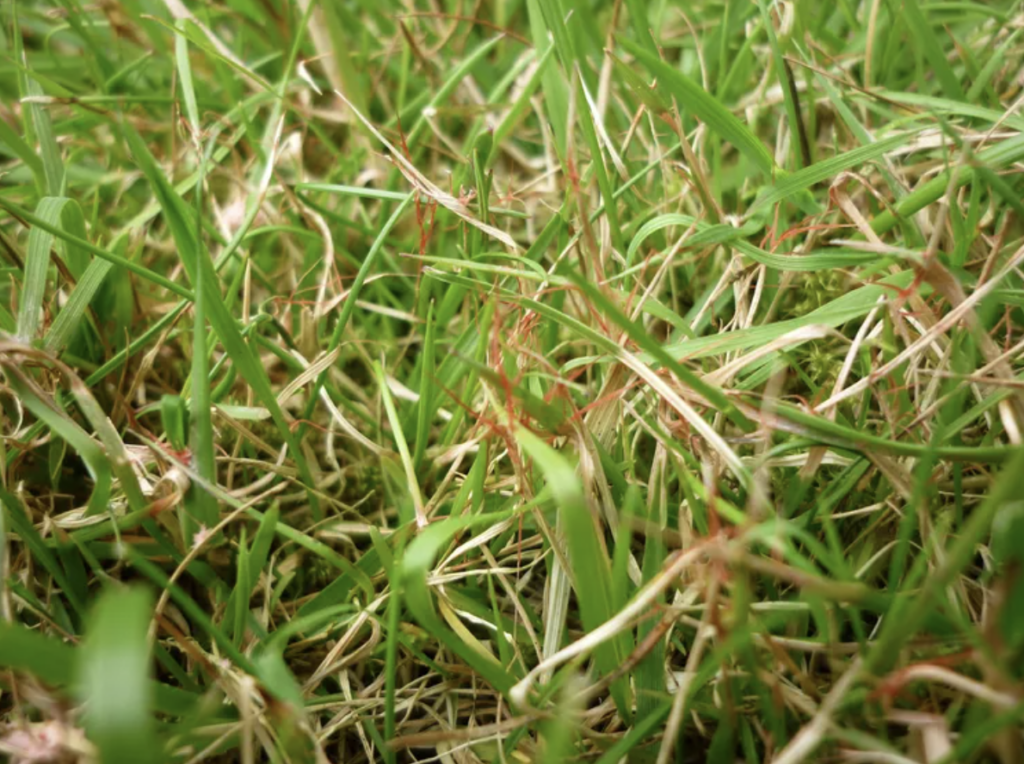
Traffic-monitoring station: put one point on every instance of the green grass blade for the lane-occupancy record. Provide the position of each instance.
(588, 557)
(705, 107)
(56, 212)
(50, 414)
(924, 35)
(414, 567)
(194, 258)
(113, 666)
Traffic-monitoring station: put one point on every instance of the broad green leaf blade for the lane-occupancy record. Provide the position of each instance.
(33, 653)
(113, 667)
(70, 318)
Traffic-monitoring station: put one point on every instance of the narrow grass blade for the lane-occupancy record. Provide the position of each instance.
(193, 258)
(87, 246)
(188, 92)
(922, 32)
(412, 484)
(414, 567)
(42, 405)
(705, 106)
(828, 168)
(588, 557)
(19, 522)
(58, 212)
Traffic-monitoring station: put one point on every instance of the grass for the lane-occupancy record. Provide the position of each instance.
(511, 381)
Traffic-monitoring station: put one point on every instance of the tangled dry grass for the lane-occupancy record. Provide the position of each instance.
(516, 380)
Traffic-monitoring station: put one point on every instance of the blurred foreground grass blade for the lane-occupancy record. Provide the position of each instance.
(113, 669)
(53, 164)
(588, 558)
(24, 650)
(10, 138)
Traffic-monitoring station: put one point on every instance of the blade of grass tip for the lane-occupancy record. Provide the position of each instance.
(451, 82)
(240, 610)
(589, 561)
(188, 92)
(519, 107)
(115, 451)
(904, 623)
(641, 25)
(704, 106)
(993, 65)
(53, 165)
(554, 19)
(195, 257)
(113, 669)
(412, 484)
(796, 129)
(69, 319)
(587, 122)
(256, 560)
(649, 675)
(553, 84)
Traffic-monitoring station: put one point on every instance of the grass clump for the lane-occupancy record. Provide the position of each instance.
(511, 381)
